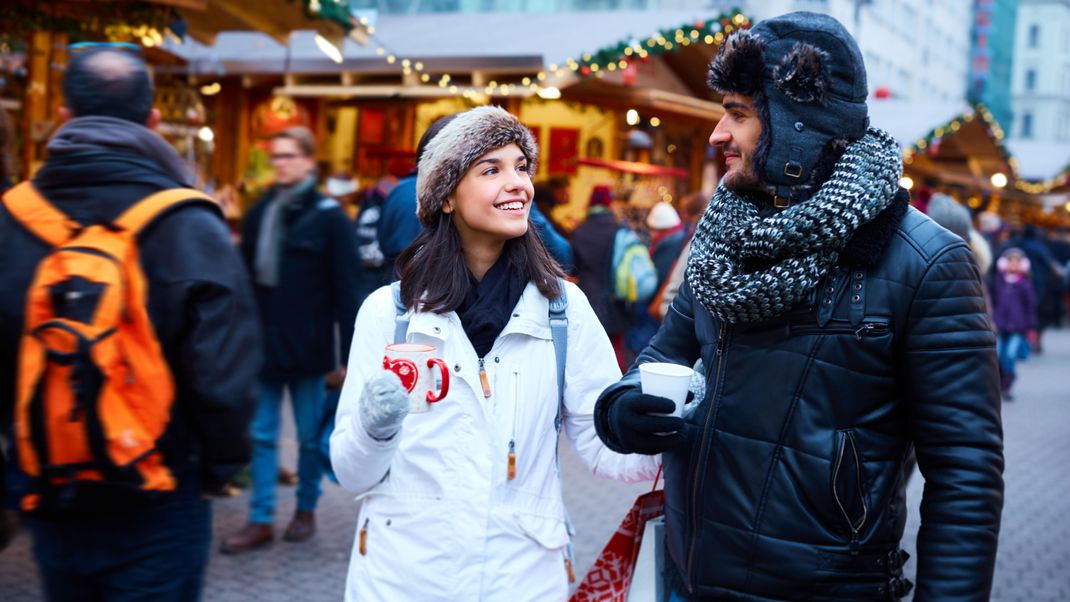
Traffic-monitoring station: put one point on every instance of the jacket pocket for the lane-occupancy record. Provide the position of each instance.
(848, 480)
(869, 328)
(550, 533)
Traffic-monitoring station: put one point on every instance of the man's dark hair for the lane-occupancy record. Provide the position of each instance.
(108, 83)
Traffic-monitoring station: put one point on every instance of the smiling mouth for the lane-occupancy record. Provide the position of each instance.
(510, 206)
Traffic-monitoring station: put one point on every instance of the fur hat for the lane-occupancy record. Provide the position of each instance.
(466, 138)
(807, 79)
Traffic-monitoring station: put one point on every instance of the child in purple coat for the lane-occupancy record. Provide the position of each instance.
(1014, 310)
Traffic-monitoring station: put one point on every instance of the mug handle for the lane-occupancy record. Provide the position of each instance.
(444, 372)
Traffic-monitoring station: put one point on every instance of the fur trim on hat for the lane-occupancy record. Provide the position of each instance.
(738, 66)
(457, 146)
(802, 74)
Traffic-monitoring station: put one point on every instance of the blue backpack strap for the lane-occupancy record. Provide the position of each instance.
(559, 333)
(401, 325)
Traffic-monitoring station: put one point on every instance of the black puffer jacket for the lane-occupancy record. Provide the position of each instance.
(791, 487)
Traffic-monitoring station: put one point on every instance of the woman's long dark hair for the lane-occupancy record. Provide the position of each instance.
(433, 271)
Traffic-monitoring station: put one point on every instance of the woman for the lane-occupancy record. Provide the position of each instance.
(463, 502)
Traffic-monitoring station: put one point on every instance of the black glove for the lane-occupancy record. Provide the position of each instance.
(640, 422)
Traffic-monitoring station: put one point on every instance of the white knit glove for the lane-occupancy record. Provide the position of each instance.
(383, 406)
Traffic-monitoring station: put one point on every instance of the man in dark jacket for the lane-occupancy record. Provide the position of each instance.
(103, 160)
(300, 248)
(839, 328)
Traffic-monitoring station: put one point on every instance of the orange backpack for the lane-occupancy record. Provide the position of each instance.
(93, 391)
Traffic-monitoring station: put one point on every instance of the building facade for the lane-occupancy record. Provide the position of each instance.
(913, 49)
(992, 57)
(1041, 77)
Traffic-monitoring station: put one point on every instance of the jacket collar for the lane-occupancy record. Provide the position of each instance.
(530, 317)
(870, 239)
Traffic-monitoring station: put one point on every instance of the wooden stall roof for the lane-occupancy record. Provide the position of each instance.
(206, 19)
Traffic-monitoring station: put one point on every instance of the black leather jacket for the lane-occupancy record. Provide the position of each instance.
(792, 485)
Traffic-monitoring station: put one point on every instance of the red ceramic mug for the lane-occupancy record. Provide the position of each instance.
(412, 362)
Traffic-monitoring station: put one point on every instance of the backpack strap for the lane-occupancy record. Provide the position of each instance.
(559, 334)
(31, 209)
(401, 325)
(141, 213)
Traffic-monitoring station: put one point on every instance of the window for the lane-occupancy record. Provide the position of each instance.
(1027, 125)
(1034, 36)
(1031, 80)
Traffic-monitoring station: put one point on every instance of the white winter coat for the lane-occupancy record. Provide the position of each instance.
(441, 519)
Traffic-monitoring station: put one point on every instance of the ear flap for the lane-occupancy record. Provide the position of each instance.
(738, 66)
(802, 75)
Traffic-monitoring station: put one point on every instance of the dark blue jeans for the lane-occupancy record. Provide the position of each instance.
(157, 553)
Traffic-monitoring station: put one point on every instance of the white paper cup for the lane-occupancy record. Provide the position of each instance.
(666, 380)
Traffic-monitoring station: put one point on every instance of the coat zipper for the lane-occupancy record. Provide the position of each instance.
(362, 545)
(483, 380)
(511, 458)
(722, 337)
(855, 530)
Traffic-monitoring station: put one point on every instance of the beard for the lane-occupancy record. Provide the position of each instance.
(743, 179)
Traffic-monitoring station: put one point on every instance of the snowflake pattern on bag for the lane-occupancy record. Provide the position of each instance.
(611, 574)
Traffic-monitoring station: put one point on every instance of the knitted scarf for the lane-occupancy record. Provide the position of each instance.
(794, 248)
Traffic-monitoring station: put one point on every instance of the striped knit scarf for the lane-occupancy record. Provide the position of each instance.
(796, 247)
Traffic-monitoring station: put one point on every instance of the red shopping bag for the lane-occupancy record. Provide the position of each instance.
(611, 575)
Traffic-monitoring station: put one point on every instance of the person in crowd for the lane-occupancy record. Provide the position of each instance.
(556, 244)
(550, 194)
(342, 187)
(1014, 309)
(8, 518)
(1046, 275)
(300, 249)
(839, 328)
(463, 501)
(104, 159)
(592, 248)
(373, 268)
(399, 226)
(8, 175)
(945, 211)
(691, 209)
(667, 238)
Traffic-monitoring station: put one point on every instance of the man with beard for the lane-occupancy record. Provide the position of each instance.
(839, 329)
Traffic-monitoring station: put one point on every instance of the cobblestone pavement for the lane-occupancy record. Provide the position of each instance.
(1033, 563)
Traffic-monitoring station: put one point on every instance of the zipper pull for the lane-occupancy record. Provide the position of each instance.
(571, 573)
(512, 460)
(363, 545)
(483, 380)
(870, 328)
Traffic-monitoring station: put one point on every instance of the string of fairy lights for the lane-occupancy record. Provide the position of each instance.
(932, 140)
(615, 57)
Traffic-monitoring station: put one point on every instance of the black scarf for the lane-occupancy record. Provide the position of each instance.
(489, 303)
